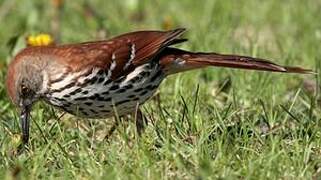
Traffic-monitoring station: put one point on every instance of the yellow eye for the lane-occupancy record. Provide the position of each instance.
(24, 89)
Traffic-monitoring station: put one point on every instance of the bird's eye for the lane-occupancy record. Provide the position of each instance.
(24, 90)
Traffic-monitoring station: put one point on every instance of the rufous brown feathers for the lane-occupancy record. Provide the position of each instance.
(176, 60)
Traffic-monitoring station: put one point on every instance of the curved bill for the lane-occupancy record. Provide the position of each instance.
(24, 120)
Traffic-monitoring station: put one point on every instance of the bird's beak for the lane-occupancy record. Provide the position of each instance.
(24, 120)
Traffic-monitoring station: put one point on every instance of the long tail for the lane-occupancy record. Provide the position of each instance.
(175, 60)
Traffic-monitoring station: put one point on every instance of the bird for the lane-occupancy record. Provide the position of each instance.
(101, 79)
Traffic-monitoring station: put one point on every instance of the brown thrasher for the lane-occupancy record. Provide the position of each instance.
(97, 79)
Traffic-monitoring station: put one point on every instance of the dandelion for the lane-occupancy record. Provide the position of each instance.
(40, 40)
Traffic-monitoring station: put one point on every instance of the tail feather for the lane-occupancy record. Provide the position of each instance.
(176, 60)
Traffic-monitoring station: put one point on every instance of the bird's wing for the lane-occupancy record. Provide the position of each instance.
(120, 54)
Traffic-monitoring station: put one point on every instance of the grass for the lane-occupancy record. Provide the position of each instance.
(207, 124)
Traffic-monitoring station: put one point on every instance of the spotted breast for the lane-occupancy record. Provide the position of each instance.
(93, 94)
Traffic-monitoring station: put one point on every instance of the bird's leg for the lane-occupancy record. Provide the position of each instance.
(113, 127)
(140, 121)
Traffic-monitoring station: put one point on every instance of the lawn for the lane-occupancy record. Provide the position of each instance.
(212, 123)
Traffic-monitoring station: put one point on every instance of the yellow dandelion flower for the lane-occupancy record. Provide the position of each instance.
(40, 40)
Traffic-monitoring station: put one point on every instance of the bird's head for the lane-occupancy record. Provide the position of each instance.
(24, 82)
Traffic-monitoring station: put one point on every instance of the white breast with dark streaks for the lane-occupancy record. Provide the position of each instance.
(92, 94)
